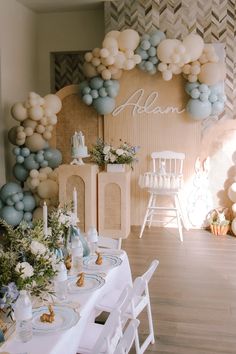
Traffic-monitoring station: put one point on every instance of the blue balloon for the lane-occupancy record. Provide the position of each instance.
(116, 85)
(149, 66)
(198, 109)
(20, 172)
(102, 92)
(12, 216)
(86, 90)
(108, 83)
(153, 60)
(157, 37)
(82, 85)
(20, 159)
(152, 51)
(9, 189)
(15, 198)
(16, 151)
(30, 163)
(53, 156)
(145, 44)
(19, 206)
(145, 36)
(195, 93)
(204, 97)
(96, 83)
(9, 201)
(87, 99)
(217, 88)
(27, 216)
(213, 97)
(190, 86)
(143, 54)
(94, 94)
(217, 107)
(104, 105)
(142, 65)
(39, 157)
(44, 164)
(203, 88)
(29, 202)
(25, 152)
(111, 91)
(21, 195)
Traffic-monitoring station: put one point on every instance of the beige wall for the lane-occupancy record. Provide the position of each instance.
(17, 69)
(65, 31)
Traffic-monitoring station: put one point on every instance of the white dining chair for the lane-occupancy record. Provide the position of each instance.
(102, 339)
(108, 242)
(165, 179)
(127, 339)
(136, 301)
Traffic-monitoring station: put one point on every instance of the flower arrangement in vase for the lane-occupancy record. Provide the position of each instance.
(27, 261)
(105, 154)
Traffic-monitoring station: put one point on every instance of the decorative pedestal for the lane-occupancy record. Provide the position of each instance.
(114, 204)
(84, 179)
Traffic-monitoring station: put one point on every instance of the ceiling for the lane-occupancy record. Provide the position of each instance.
(61, 5)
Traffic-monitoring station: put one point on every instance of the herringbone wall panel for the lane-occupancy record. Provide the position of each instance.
(67, 69)
(213, 20)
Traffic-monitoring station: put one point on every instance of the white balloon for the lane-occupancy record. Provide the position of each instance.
(36, 112)
(166, 49)
(194, 45)
(53, 103)
(19, 112)
(233, 226)
(128, 39)
(167, 75)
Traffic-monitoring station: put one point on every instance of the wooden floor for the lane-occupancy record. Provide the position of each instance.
(193, 291)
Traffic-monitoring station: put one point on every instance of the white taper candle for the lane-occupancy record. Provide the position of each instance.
(75, 202)
(45, 219)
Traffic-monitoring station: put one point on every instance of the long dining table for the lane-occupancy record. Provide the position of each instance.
(67, 341)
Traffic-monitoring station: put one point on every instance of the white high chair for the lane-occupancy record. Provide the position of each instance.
(166, 179)
(131, 306)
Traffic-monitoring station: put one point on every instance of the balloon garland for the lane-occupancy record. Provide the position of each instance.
(35, 160)
(121, 51)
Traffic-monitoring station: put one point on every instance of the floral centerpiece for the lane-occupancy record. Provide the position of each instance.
(103, 153)
(27, 261)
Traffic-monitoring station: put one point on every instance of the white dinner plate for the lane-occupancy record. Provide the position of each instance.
(65, 318)
(91, 283)
(108, 262)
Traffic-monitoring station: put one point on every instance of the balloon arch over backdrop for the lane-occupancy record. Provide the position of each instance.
(36, 160)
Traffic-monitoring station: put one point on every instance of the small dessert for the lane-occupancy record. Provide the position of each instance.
(68, 262)
(99, 258)
(80, 281)
(48, 317)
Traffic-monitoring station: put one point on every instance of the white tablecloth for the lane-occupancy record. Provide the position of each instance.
(66, 342)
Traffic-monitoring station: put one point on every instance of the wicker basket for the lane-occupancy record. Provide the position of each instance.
(219, 230)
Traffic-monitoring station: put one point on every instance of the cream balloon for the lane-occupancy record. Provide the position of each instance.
(53, 103)
(89, 70)
(40, 129)
(232, 192)
(117, 75)
(47, 189)
(38, 213)
(19, 112)
(29, 123)
(212, 73)
(34, 173)
(234, 209)
(88, 57)
(128, 39)
(35, 142)
(104, 53)
(36, 112)
(47, 135)
(96, 52)
(166, 49)
(106, 74)
(110, 43)
(113, 34)
(28, 131)
(233, 226)
(167, 75)
(194, 45)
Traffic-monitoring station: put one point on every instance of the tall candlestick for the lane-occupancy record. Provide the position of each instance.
(45, 219)
(75, 202)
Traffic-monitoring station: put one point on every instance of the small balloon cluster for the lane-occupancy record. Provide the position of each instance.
(27, 161)
(205, 100)
(152, 52)
(34, 159)
(15, 204)
(100, 94)
(147, 50)
(116, 54)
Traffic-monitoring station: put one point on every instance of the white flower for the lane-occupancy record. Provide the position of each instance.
(106, 149)
(25, 269)
(107, 157)
(37, 248)
(120, 152)
(112, 158)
